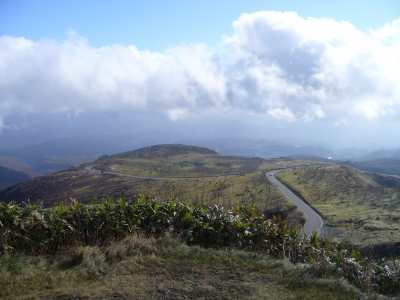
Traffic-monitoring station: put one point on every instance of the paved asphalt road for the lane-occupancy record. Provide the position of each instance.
(314, 221)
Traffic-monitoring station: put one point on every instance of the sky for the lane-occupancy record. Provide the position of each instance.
(312, 70)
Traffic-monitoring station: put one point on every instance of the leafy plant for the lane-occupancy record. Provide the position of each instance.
(33, 229)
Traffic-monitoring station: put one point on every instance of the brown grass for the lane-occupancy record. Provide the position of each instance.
(353, 201)
(140, 268)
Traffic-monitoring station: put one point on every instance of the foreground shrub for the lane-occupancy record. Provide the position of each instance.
(33, 229)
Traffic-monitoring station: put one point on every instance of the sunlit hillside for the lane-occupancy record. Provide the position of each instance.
(365, 205)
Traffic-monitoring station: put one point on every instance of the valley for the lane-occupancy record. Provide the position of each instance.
(188, 187)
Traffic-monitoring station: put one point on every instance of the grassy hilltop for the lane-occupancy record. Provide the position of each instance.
(180, 161)
(365, 205)
(192, 174)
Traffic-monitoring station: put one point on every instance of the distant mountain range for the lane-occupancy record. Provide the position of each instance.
(166, 160)
(47, 157)
(378, 165)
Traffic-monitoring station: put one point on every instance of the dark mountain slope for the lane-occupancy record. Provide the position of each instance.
(10, 177)
(379, 165)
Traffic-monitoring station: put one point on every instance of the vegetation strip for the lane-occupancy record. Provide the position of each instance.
(32, 229)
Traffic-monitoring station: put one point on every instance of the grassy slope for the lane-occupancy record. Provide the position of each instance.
(139, 268)
(76, 184)
(351, 200)
(178, 161)
(165, 160)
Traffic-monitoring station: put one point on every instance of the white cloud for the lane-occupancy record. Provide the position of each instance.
(389, 34)
(276, 64)
(175, 114)
(372, 108)
(315, 112)
(343, 121)
(279, 113)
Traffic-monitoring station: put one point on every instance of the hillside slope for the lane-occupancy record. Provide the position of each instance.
(10, 177)
(17, 164)
(191, 174)
(378, 165)
(359, 203)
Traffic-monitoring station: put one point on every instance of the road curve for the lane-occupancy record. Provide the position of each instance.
(314, 221)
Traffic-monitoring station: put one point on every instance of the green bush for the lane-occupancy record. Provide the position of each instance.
(30, 228)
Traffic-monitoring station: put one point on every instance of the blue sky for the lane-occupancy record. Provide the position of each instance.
(157, 25)
(315, 70)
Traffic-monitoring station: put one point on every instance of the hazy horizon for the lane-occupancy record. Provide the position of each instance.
(325, 74)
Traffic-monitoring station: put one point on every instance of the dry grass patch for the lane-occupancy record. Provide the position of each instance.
(164, 268)
(351, 200)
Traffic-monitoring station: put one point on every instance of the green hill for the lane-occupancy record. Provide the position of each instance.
(189, 174)
(178, 161)
(147, 248)
(365, 205)
(164, 151)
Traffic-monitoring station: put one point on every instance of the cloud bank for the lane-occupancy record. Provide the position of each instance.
(277, 66)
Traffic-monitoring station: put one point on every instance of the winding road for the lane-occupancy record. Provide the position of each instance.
(314, 221)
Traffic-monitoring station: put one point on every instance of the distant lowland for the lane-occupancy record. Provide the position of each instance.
(47, 157)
